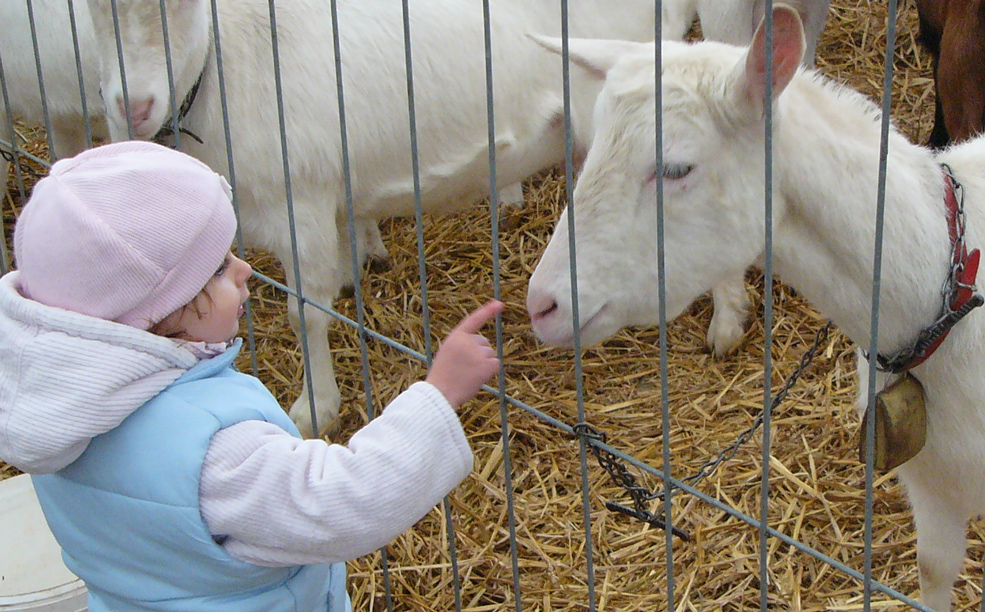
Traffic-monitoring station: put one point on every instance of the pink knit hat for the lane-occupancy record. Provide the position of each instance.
(127, 232)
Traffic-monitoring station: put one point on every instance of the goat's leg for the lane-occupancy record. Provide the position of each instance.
(814, 12)
(940, 529)
(940, 535)
(372, 252)
(324, 391)
(676, 18)
(511, 195)
(731, 308)
(939, 137)
(322, 271)
(730, 22)
(960, 73)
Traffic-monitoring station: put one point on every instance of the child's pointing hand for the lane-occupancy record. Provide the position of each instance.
(465, 360)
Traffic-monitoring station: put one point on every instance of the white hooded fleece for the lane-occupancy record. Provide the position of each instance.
(277, 500)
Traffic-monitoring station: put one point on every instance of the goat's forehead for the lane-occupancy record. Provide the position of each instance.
(701, 68)
(688, 72)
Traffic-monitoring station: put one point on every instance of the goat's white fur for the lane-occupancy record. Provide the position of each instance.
(22, 82)
(826, 150)
(56, 48)
(450, 95)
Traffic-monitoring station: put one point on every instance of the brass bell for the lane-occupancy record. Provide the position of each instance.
(900, 423)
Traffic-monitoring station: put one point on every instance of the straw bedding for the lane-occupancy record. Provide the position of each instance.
(816, 482)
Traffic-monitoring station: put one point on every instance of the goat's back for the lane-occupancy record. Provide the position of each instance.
(450, 96)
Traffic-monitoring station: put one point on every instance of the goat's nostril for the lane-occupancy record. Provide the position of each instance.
(140, 111)
(544, 312)
(540, 304)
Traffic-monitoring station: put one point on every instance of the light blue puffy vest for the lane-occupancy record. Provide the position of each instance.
(126, 512)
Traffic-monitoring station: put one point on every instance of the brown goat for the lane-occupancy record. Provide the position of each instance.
(953, 31)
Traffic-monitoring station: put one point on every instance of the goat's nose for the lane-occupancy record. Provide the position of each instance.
(140, 110)
(540, 305)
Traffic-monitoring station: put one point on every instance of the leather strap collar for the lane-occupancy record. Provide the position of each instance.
(167, 130)
(960, 295)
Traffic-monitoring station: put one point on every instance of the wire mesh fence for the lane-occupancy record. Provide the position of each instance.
(574, 448)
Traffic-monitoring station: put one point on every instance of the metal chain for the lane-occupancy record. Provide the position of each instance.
(24, 166)
(621, 475)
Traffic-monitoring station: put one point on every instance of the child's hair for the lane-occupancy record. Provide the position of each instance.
(165, 328)
(128, 232)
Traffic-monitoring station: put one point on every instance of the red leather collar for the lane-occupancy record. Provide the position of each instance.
(960, 293)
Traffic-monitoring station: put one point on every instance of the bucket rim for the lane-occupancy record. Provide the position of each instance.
(61, 592)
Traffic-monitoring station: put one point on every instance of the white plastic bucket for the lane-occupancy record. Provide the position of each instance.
(32, 575)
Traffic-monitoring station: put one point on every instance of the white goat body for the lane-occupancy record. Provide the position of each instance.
(734, 21)
(21, 84)
(826, 149)
(447, 42)
(62, 91)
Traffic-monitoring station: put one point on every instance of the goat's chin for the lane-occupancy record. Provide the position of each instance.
(145, 134)
(596, 329)
(118, 133)
(145, 131)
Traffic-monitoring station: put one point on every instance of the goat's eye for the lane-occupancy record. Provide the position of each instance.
(673, 172)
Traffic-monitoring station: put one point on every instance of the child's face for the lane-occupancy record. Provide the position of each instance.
(217, 319)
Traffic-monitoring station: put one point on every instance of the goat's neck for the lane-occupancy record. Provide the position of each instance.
(827, 164)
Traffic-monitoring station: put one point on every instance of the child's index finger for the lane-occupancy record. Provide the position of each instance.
(479, 317)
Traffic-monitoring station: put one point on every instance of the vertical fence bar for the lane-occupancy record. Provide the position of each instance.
(764, 492)
(494, 200)
(416, 173)
(887, 90)
(123, 69)
(353, 249)
(576, 327)
(4, 256)
(172, 98)
(668, 499)
(586, 501)
(5, 262)
(86, 121)
(231, 165)
(422, 273)
(40, 70)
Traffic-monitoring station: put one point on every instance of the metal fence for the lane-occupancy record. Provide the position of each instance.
(635, 489)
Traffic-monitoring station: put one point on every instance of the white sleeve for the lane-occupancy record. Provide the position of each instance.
(279, 500)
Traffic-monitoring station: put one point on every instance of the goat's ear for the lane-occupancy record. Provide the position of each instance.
(597, 56)
(788, 52)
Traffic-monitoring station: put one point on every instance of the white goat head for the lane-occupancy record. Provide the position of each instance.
(140, 54)
(712, 121)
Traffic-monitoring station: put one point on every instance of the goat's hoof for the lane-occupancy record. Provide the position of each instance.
(378, 265)
(300, 413)
(511, 220)
(723, 338)
(347, 291)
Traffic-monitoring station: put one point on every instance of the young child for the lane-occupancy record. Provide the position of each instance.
(171, 481)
